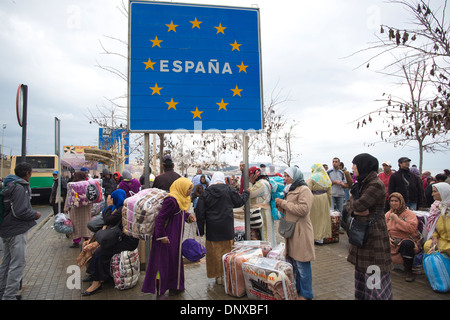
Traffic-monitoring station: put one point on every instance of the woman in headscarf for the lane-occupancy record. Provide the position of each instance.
(99, 266)
(368, 197)
(320, 185)
(129, 184)
(79, 216)
(403, 233)
(215, 209)
(165, 269)
(296, 207)
(260, 195)
(438, 222)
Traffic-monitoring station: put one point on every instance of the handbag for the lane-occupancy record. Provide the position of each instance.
(286, 228)
(358, 231)
(192, 249)
(109, 237)
(256, 221)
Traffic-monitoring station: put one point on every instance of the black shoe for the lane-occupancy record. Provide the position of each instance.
(75, 245)
(90, 293)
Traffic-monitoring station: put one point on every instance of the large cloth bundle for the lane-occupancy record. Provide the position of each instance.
(232, 268)
(269, 279)
(140, 211)
(437, 268)
(125, 269)
(84, 192)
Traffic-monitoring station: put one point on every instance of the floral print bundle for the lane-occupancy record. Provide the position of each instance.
(82, 193)
(125, 269)
(140, 211)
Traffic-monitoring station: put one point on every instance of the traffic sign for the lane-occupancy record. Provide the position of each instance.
(193, 67)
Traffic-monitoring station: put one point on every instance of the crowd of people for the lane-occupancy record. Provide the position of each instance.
(394, 238)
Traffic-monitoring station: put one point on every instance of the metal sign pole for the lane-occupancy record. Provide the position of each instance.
(147, 185)
(24, 121)
(57, 152)
(246, 185)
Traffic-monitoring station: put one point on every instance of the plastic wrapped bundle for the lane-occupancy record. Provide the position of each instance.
(62, 224)
(232, 268)
(125, 269)
(268, 279)
(140, 211)
(84, 192)
(277, 253)
(264, 245)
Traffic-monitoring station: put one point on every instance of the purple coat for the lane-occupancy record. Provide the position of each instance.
(166, 258)
(132, 185)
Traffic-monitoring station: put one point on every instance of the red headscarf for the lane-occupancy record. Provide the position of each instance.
(254, 170)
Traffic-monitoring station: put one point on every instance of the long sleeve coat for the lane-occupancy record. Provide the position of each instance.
(376, 252)
(298, 203)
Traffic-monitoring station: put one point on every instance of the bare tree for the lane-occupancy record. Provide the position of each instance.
(420, 59)
(406, 119)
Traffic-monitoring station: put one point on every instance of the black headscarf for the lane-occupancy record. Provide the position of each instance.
(365, 163)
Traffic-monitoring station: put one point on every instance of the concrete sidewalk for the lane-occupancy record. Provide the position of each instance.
(49, 257)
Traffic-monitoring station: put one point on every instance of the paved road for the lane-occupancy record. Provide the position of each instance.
(49, 257)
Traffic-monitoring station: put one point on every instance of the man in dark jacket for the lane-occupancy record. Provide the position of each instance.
(165, 180)
(108, 182)
(18, 218)
(54, 200)
(407, 184)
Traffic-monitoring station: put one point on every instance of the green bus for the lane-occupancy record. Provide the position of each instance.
(42, 178)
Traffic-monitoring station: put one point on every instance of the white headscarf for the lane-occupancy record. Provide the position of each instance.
(444, 191)
(218, 177)
(438, 207)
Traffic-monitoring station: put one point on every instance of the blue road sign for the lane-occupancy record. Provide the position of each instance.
(193, 67)
(108, 137)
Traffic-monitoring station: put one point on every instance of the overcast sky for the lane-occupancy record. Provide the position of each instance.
(53, 47)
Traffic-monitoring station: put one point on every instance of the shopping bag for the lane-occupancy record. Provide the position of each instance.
(437, 268)
(192, 249)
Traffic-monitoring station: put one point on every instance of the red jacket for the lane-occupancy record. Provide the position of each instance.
(385, 179)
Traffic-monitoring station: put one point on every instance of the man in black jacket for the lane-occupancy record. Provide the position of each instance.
(18, 218)
(165, 180)
(407, 184)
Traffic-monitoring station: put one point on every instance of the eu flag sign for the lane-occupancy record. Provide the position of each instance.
(193, 67)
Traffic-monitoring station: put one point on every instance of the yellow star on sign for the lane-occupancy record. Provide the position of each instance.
(235, 45)
(149, 64)
(156, 42)
(196, 113)
(222, 105)
(236, 91)
(172, 104)
(195, 23)
(220, 29)
(172, 26)
(156, 89)
(242, 67)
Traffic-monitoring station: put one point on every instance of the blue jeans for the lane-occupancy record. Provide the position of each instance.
(303, 281)
(339, 201)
